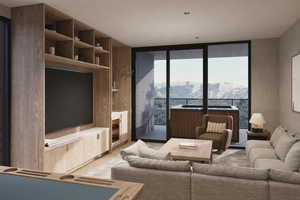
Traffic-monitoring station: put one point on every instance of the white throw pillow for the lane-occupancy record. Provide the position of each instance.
(141, 149)
(213, 127)
(292, 160)
(279, 131)
(132, 150)
(283, 145)
(146, 152)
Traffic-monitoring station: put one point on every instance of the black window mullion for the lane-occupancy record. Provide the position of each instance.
(205, 78)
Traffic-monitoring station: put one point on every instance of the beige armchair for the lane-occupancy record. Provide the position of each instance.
(221, 141)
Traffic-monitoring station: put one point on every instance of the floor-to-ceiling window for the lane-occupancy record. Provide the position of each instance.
(186, 77)
(202, 74)
(228, 81)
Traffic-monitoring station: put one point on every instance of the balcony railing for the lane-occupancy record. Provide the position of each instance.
(160, 107)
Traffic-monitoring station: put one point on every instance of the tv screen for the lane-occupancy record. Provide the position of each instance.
(69, 99)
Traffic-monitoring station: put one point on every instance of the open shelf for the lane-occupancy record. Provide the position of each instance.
(62, 31)
(61, 61)
(79, 44)
(53, 35)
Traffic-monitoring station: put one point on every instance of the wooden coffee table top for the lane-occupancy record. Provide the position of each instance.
(203, 152)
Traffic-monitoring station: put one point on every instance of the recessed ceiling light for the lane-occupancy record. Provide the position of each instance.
(187, 13)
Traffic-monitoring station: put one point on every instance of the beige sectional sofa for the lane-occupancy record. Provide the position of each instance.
(274, 175)
(281, 152)
(212, 182)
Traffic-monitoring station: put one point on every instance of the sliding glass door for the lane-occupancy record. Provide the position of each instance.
(228, 84)
(212, 77)
(151, 95)
(163, 80)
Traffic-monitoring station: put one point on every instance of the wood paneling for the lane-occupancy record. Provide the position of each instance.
(103, 96)
(28, 87)
(122, 77)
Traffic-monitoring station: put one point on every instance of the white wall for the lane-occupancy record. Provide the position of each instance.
(289, 45)
(4, 11)
(265, 75)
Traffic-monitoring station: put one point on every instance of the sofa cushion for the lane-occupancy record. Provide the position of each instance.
(278, 132)
(168, 165)
(257, 144)
(284, 176)
(283, 145)
(257, 153)
(270, 164)
(234, 172)
(292, 159)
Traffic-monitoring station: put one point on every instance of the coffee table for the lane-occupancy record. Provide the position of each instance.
(203, 152)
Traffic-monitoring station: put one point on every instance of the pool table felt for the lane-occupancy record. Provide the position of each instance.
(18, 185)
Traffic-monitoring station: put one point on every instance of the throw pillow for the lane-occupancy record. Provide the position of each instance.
(213, 127)
(147, 152)
(168, 165)
(292, 160)
(283, 145)
(279, 131)
(141, 149)
(131, 150)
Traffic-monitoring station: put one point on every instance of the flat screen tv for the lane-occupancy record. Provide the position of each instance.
(69, 99)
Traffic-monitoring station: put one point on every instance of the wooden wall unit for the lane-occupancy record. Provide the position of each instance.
(31, 39)
(28, 87)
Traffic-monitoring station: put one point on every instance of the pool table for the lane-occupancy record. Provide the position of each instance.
(16, 184)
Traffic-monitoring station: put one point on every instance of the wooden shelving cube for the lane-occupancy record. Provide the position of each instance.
(59, 22)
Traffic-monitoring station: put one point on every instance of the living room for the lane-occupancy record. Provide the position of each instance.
(150, 100)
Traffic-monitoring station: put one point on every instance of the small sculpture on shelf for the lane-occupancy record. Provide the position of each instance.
(97, 60)
(76, 38)
(52, 50)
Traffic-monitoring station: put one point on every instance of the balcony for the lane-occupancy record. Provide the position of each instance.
(158, 128)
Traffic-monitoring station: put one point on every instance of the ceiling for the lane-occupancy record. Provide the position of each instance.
(162, 22)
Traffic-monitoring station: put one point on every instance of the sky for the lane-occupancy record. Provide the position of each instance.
(220, 70)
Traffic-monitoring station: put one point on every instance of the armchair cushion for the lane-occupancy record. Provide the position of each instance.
(213, 127)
